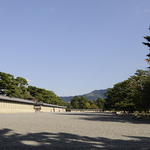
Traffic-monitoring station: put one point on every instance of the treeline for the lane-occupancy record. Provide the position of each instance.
(133, 93)
(83, 103)
(18, 87)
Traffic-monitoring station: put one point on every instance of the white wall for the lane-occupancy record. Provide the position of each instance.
(15, 107)
(46, 109)
(7, 106)
(52, 109)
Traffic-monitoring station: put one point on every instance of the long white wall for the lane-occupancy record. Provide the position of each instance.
(52, 109)
(85, 110)
(15, 107)
(46, 109)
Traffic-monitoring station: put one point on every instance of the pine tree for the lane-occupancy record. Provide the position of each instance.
(147, 44)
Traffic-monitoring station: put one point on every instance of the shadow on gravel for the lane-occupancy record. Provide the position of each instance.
(11, 140)
(106, 117)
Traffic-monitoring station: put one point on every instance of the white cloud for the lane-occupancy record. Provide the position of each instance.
(64, 94)
(28, 80)
(139, 11)
(138, 64)
(146, 10)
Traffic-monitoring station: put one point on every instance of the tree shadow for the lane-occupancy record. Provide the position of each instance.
(107, 118)
(9, 140)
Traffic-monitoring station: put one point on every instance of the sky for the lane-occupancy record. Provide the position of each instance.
(73, 47)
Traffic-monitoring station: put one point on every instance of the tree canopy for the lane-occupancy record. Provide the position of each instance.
(83, 103)
(18, 87)
(13, 87)
(45, 96)
(147, 38)
(131, 94)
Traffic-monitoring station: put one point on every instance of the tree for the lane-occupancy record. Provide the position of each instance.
(6, 83)
(45, 96)
(87, 105)
(13, 87)
(91, 102)
(146, 95)
(93, 106)
(18, 87)
(146, 85)
(147, 44)
(74, 102)
(120, 97)
(82, 101)
(138, 83)
(131, 94)
(68, 106)
(100, 103)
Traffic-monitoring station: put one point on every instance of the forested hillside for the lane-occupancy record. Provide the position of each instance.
(91, 96)
(95, 94)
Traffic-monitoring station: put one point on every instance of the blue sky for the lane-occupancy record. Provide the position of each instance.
(73, 47)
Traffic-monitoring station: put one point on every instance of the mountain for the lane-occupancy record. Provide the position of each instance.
(91, 96)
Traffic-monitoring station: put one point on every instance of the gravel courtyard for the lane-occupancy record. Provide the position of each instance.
(81, 131)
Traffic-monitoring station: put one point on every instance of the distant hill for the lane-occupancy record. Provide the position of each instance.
(91, 96)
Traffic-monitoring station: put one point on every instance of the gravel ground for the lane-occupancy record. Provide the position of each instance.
(89, 131)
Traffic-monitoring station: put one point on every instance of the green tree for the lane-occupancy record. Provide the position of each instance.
(144, 99)
(100, 103)
(18, 87)
(45, 96)
(82, 101)
(111, 97)
(120, 97)
(93, 106)
(74, 102)
(13, 87)
(91, 102)
(6, 83)
(147, 38)
(68, 106)
(87, 105)
(130, 94)
(146, 95)
(137, 82)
